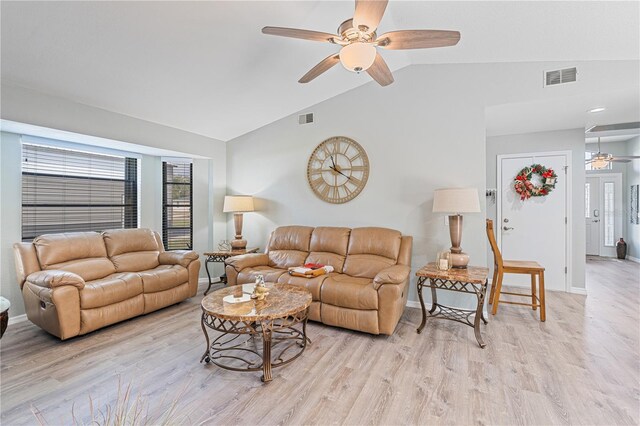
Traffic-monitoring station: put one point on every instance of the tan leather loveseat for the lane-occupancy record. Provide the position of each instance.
(367, 291)
(78, 282)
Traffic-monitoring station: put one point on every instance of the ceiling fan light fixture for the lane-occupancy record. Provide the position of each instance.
(357, 57)
(600, 162)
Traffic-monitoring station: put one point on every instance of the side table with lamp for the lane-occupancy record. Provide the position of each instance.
(456, 201)
(238, 205)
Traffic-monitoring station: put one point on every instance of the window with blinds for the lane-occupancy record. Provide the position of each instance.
(65, 190)
(177, 200)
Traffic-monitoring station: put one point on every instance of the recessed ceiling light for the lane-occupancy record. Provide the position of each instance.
(598, 109)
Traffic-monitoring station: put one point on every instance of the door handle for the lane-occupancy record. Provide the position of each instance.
(596, 221)
(507, 228)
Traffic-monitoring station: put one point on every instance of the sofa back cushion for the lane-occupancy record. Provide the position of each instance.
(132, 250)
(371, 250)
(289, 246)
(83, 253)
(329, 246)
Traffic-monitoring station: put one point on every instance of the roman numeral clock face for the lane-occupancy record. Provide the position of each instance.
(338, 170)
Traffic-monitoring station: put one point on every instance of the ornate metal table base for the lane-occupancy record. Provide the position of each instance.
(221, 256)
(255, 346)
(454, 314)
(223, 278)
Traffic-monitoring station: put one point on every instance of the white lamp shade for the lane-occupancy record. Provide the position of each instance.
(238, 204)
(357, 56)
(456, 200)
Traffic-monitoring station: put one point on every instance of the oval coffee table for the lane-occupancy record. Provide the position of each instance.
(255, 335)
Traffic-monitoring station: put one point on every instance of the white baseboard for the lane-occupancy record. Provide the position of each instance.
(633, 259)
(17, 319)
(413, 303)
(203, 281)
(579, 290)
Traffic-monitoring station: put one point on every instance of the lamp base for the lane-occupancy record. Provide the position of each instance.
(238, 244)
(459, 260)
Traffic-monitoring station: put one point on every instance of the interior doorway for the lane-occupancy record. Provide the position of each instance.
(603, 213)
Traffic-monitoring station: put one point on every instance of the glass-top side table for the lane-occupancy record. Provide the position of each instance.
(471, 280)
(221, 256)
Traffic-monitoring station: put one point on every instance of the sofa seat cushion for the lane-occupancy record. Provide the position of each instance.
(248, 275)
(109, 290)
(312, 284)
(349, 292)
(163, 277)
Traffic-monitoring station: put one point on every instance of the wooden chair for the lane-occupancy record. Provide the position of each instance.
(502, 267)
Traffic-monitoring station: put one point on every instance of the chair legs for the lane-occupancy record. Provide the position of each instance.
(496, 297)
(537, 297)
(533, 292)
(494, 282)
(543, 312)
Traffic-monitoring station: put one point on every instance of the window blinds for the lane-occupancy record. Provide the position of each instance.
(177, 200)
(65, 190)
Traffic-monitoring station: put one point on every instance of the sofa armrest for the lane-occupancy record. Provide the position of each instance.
(177, 257)
(55, 278)
(396, 274)
(247, 261)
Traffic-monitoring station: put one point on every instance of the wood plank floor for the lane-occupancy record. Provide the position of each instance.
(580, 367)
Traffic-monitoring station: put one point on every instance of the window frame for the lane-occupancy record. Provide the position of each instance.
(165, 207)
(56, 170)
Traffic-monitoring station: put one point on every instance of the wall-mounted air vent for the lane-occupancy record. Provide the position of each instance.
(305, 118)
(555, 77)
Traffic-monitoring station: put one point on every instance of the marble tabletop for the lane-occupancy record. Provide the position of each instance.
(229, 253)
(234, 302)
(472, 274)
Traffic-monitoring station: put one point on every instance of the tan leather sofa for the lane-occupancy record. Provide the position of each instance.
(75, 283)
(369, 288)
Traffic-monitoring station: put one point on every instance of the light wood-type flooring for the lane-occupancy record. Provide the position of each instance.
(580, 367)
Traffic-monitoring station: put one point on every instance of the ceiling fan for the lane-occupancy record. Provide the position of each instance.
(359, 40)
(600, 160)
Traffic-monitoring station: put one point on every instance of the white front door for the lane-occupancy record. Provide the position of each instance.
(592, 215)
(535, 228)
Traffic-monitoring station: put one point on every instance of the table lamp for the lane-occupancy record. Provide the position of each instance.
(238, 204)
(456, 201)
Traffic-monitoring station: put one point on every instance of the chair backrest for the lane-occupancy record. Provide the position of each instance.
(497, 256)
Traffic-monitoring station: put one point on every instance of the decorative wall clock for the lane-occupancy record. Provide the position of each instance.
(338, 170)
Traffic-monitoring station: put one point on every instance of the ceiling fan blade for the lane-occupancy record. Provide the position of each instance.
(297, 33)
(323, 66)
(620, 160)
(369, 14)
(380, 72)
(418, 39)
(626, 157)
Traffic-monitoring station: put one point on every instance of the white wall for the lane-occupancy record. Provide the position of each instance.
(562, 140)
(633, 178)
(26, 106)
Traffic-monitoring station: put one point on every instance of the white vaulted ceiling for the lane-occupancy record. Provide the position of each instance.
(206, 68)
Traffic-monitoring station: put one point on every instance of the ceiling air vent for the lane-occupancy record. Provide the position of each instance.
(555, 77)
(305, 118)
